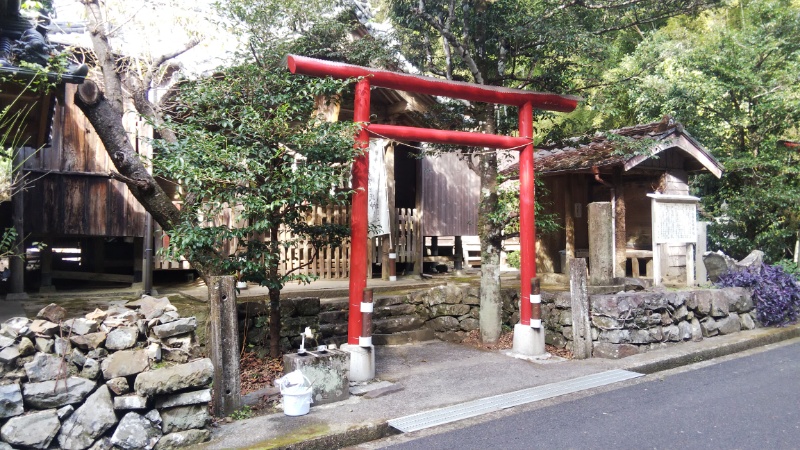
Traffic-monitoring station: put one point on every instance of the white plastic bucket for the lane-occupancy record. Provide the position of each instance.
(296, 397)
(296, 400)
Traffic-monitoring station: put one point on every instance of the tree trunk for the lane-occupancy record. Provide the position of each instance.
(274, 301)
(491, 243)
(274, 322)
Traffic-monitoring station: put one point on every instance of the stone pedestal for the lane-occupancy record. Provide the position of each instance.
(328, 372)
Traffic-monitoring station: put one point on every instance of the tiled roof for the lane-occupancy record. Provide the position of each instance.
(585, 152)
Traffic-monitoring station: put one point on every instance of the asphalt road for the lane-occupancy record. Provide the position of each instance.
(748, 402)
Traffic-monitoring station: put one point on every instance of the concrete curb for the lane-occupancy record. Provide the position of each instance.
(762, 337)
(755, 338)
(353, 436)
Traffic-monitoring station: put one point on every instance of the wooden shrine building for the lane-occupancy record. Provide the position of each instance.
(654, 158)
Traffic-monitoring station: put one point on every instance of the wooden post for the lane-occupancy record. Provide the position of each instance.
(658, 252)
(138, 261)
(147, 255)
(620, 235)
(46, 261)
(98, 254)
(17, 261)
(390, 241)
(365, 340)
(581, 320)
(224, 340)
(359, 221)
(385, 257)
(458, 254)
(419, 237)
(700, 250)
(392, 265)
(372, 244)
(569, 224)
(535, 319)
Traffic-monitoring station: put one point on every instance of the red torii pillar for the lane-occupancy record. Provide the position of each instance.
(528, 334)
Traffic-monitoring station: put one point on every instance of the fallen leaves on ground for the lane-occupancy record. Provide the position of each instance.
(506, 341)
(258, 373)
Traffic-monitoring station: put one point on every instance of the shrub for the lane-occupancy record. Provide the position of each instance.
(776, 294)
(512, 259)
(789, 267)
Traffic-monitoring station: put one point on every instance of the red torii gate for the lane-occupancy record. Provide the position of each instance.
(525, 100)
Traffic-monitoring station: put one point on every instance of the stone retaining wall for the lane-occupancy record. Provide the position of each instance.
(623, 324)
(630, 323)
(128, 378)
(450, 311)
(296, 315)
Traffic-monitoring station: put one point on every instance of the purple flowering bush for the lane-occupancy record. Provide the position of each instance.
(776, 294)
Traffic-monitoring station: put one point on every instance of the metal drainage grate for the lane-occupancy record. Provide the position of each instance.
(486, 405)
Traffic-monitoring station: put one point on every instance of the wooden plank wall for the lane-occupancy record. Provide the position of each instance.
(70, 191)
(450, 196)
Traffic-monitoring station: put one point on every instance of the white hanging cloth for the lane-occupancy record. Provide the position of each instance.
(378, 208)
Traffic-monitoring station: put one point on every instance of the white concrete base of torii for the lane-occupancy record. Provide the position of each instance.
(362, 362)
(528, 341)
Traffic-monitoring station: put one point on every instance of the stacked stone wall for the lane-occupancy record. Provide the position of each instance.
(622, 324)
(633, 322)
(129, 377)
(628, 323)
(557, 318)
(450, 311)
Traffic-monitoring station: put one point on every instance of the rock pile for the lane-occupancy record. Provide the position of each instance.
(128, 378)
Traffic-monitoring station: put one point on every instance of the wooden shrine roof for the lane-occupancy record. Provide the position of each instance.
(581, 154)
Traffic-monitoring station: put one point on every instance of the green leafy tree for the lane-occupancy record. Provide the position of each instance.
(544, 45)
(270, 30)
(249, 144)
(731, 76)
(247, 141)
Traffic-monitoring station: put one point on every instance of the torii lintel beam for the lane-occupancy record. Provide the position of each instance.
(401, 133)
(303, 65)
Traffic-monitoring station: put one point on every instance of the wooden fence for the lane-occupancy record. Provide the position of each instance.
(332, 263)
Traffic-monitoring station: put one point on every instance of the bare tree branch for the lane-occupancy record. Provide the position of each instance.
(105, 56)
(460, 46)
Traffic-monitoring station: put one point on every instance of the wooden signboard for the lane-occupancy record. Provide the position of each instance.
(674, 222)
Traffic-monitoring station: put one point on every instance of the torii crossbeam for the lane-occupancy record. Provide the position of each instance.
(530, 314)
